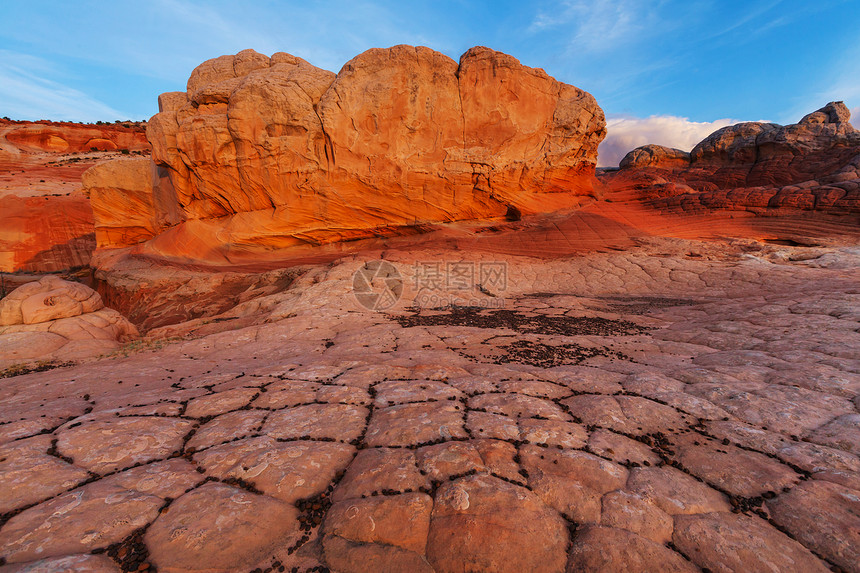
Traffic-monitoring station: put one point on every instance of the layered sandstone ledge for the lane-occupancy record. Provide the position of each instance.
(263, 153)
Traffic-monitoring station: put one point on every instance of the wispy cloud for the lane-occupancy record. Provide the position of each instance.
(599, 25)
(750, 15)
(627, 133)
(23, 91)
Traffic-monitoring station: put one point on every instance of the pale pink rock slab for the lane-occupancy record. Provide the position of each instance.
(473, 528)
(287, 393)
(500, 459)
(401, 391)
(843, 433)
(225, 428)
(728, 542)
(628, 414)
(336, 394)
(31, 475)
(441, 461)
(631, 512)
(365, 376)
(675, 492)
(412, 424)
(585, 379)
(218, 528)
(333, 421)
(844, 478)
(621, 448)
(534, 388)
(87, 518)
(773, 407)
(518, 406)
(608, 550)
(214, 404)
(46, 416)
(115, 443)
(740, 472)
(552, 433)
(493, 426)
(288, 471)
(167, 479)
(571, 482)
(649, 383)
(68, 564)
(385, 533)
(376, 469)
(825, 517)
(808, 456)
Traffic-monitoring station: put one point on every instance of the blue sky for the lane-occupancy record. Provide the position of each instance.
(659, 68)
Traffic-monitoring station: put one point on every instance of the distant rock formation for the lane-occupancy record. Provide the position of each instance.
(57, 137)
(813, 165)
(53, 319)
(263, 153)
(46, 223)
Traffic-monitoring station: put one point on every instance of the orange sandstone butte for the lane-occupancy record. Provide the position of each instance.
(262, 153)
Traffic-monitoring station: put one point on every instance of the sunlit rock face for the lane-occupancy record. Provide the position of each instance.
(263, 153)
(46, 233)
(813, 165)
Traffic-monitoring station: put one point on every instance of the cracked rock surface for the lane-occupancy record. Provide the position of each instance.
(641, 409)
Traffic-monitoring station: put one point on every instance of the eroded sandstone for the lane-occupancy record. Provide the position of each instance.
(265, 153)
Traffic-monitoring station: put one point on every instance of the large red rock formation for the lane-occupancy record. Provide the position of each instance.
(263, 153)
(765, 168)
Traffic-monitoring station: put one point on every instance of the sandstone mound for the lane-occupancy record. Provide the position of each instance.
(813, 165)
(53, 319)
(263, 153)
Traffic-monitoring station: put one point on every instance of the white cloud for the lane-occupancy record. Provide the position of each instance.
(23, 89)
(855, 117)
(627, 133)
